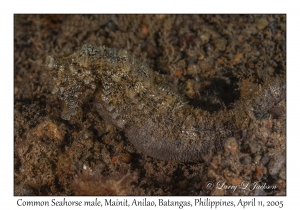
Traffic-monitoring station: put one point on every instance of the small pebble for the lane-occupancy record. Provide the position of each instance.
(275, 164)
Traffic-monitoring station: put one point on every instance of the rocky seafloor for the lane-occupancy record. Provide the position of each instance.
(213, 60)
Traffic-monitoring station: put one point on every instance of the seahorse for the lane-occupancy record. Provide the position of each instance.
(154, 116)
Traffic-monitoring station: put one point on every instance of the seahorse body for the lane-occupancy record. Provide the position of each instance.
(153, 115)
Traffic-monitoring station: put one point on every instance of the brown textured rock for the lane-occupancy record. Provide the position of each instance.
(39, 151)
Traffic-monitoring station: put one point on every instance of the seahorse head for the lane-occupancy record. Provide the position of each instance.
(73, 81)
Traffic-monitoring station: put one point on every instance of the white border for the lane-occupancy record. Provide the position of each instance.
(154, 6)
